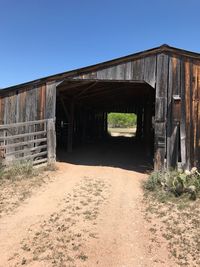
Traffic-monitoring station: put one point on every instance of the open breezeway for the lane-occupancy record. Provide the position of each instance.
(82, 111)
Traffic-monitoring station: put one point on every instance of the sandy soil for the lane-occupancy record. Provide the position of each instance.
(178, 221)
(85, 216)
(126, 132)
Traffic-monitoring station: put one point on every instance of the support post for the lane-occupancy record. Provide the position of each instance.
(51, 141)
(161, 111)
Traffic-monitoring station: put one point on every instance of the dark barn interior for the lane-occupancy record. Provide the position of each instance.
(81, 122)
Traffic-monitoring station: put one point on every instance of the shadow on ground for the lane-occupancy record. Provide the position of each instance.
(122, 152)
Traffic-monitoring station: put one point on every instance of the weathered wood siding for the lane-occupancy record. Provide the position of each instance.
(143, 69)
(191, 112)
(28, 104)
(161, 111)
(183, 138)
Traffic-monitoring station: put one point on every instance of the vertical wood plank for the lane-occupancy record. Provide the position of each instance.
(50, 100)
(192, 124)
(188, 111)
(161, 100)
(51, 141)
(172, 125)
(150, 70)
(138, 69)
(22, 105)
(2, 132)
(43, 102)
(198, 116)
(195, 115)
(10, 117)
(183, 117)
(2, 100)
(128, 71)
(10, 108)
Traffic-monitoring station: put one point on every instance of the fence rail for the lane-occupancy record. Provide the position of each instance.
(32, 140)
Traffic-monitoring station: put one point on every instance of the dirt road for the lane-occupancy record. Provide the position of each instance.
(87, 216)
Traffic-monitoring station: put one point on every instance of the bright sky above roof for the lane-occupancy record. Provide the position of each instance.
(44, 37)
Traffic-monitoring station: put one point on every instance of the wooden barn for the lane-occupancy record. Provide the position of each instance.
(160, 85)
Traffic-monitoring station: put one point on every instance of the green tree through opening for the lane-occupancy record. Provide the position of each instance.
(121, 120)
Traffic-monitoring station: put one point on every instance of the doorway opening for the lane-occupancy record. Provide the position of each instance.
(85, 114)
(122, 124)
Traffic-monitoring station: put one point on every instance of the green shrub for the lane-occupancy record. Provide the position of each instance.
(175, 182)
(153, 181)
(122, 120)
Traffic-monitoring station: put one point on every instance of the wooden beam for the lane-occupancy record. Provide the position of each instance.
(72, 84)
(51, 141)
(85, 90)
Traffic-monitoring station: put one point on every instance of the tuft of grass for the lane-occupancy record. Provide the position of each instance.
(18, 169)
(23, 169)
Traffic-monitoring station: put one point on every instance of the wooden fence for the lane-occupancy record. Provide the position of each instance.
(28, 141)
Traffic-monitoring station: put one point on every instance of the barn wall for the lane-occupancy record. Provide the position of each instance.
(183, 138)
(28, 104)
(191, 111)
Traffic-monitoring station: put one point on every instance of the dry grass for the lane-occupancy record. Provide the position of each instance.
(18, 183)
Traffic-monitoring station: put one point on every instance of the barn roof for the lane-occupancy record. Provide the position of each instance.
(60, 76)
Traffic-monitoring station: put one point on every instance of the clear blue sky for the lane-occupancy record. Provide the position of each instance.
(43, 37)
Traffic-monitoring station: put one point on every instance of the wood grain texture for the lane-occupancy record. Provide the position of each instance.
(198, 118)
(143, 69)
(161, 111)
(172, 125)
(195, 114)
(50, 101)
(188, 111)
(51, 141)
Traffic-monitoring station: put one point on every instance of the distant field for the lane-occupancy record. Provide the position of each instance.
(127, 132)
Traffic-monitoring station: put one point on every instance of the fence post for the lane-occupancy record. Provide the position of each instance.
(51, 141)
(2, 151)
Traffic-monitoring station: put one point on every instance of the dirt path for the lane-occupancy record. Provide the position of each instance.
(88, 216)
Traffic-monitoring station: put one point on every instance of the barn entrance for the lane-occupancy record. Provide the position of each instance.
(82, 109)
